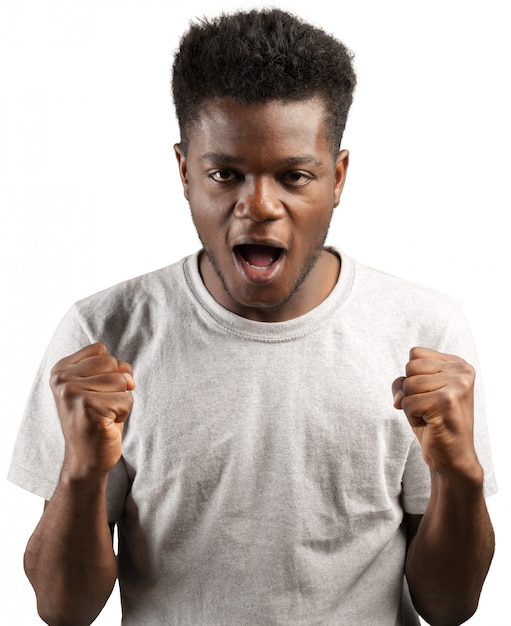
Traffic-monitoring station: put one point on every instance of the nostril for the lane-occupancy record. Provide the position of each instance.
(259, 211)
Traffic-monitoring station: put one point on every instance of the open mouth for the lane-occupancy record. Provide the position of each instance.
(259, 257)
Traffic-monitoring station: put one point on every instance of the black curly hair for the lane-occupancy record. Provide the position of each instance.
(261, 55)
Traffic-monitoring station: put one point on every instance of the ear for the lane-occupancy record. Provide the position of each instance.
(341, 170)
(183, 172)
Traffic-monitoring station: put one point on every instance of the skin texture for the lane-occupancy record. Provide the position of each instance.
(262, 175)
(451, 547)
(69, 558)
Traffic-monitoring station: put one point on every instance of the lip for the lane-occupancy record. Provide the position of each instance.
(255, 274)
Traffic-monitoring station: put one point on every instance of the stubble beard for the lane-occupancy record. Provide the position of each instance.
(307, 267)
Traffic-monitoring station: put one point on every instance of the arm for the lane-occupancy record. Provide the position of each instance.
(451, 547)
(69, 558)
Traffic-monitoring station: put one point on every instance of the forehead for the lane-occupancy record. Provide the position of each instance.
(225, 126)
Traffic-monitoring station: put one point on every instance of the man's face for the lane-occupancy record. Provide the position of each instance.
(262, 185)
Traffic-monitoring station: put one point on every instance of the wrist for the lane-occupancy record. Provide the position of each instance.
(467, 477)
(80, 476)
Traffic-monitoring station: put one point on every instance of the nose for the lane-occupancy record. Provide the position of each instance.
(258, 201)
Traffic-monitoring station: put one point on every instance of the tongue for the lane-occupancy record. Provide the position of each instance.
(259, 256)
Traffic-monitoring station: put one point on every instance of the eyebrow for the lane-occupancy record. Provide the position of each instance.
(229, 159)
(217, 157)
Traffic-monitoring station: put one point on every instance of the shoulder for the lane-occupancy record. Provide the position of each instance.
(393, 288)
(146, 287)
(388, 293)
(403, 312)
(131, 310)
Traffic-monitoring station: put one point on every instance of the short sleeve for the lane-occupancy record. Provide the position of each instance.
(460, 342)
(39, 449)
(416, 480)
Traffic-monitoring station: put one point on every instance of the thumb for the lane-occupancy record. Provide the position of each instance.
(397, 391)
(127, 371)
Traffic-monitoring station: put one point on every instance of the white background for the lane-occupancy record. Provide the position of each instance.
(89, 191)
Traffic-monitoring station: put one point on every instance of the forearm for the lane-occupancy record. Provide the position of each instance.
(69, 559)
(449, 557)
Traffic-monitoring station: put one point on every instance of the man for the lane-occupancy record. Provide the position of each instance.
(259, 471)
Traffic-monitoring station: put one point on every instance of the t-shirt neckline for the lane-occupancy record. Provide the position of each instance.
(270, 331)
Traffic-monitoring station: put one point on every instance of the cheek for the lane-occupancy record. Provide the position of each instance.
(211, 221)
(317, 220)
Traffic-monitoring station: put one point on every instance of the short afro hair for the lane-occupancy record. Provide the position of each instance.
(261, 55)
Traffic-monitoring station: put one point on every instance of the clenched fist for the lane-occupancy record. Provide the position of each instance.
(437, 396)
(91, 390)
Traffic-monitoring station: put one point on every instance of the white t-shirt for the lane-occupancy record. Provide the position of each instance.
(265, 471)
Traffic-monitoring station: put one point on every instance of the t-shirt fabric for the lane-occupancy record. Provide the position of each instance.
(265, 471)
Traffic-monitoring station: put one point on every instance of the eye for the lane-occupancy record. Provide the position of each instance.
(297, 178)
(223, 176)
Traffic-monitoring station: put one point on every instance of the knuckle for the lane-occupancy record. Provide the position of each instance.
(407, 387)
(466, 385)
(60, 382)
(110, 362)
(120, 382)
(463, 376)
(61, 364)
(58, 377)
(409, 368)
(414, 383)
(86, 401)
(105, 363)
(106, 405)
(414, 352)
(470, 372)
(410, 406)
(55, 369)
(92, 403)
(123, 408)
(447, 397)
(413, 367)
